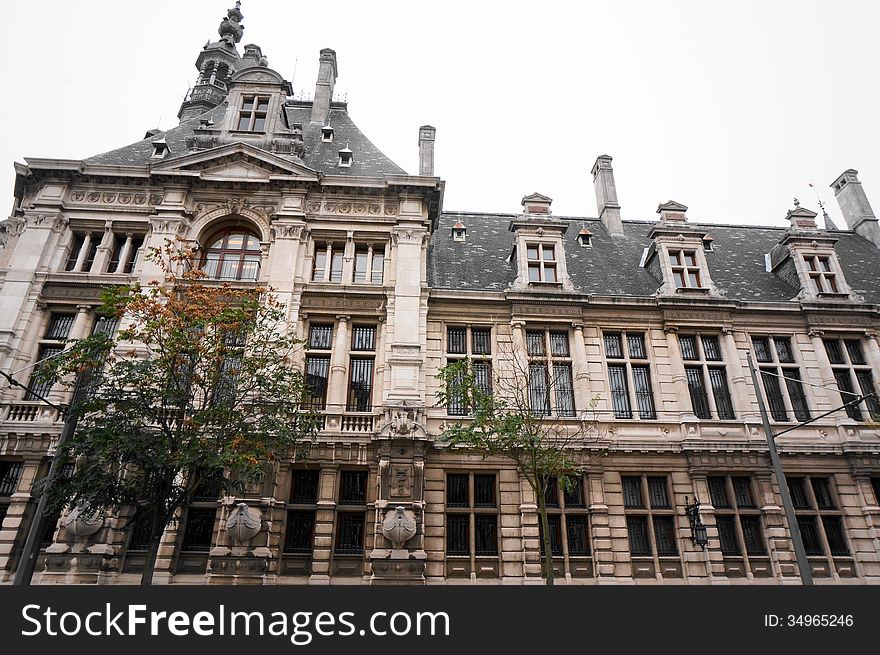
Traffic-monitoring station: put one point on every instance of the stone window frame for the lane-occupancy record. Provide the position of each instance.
(473, 511)
(682, 269)
(478, 359)
(542, 264)
(853, 374)
(351, 508)
(646, 510)
(333, 251)
(253, 114)
(550, 362)
(628, 361)
(369, 272)
(706, 364)
(314, 352)
(773, 367)
(561, 509)
(811, 510)
(727, 504)
(50, 344)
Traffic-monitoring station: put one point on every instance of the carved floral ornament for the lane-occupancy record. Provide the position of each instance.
(358, 208)
(234, 205)
(409, 236)
(137, 199)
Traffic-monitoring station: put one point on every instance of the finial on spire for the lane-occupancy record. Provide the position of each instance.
(231, 28)
(797, 203)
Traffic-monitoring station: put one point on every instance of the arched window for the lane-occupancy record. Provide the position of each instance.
(232, 254)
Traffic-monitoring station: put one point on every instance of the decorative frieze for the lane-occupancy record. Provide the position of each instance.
(348, 208)
(135, 199)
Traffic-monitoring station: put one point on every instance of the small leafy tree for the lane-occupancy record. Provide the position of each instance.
(198, 392)
(502, 423)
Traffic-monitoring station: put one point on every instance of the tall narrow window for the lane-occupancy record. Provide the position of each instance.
(82, 252)
(551, 389)
(351, 515)
(781, 378)
(854, 376)
(818, 515)
(300, 530)
(737, 516)
(318, 364)
(252, 116)
(361, 368)
(474, 343)
(232, 255)
(649, 516)
(125, 252)
(52, 344)
(471, 515)
(704, 375)
(627, 355)
(369, 262)
(569, 521)
(328, 262)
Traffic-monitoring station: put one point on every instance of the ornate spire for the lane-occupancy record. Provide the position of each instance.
(231, 28)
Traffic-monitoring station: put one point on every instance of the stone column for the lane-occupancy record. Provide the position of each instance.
(872, 351)
(581, 373)
(679, 377)
(124, 254)
(83, 253)
(338, 366)
(739, 387)
(104, 252)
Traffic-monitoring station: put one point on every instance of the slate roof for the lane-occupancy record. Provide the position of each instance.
(611, 265)
(367, 159)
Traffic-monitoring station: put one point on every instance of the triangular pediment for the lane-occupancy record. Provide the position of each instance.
(234, 162)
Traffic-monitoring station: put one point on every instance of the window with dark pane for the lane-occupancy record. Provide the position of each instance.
(752, 535)
(563, 389)
(299, 534)
(573, 493)
(727, 535)
(486, 534)
(105, 325)
(555, 523)
(559, 344)
(457, 490)
(797, 488)
(834, 534)
(718, 492)
(784, 353)
(551, 492)
(796, 394)
(822, 493)
(535, 343)
(635, 343)
(317, 377)
(320, 336)
(657, 491)
(363, 337)
(360, 386)
(637, 530)
(644, 392)
(456, 340)
(711, 351)
(721, 393)
(59, 326)
(578, 531)
(847, 393)
(619, 391)
(304, 486)
(484, 490)
(761, 346)
(810, 535)
(774, 395)
(855, 352)
(613, 345)
(867, 387)
(457, 534)
(139, 536)
(697, 391)
(834, 352)
(10, 472)
(632, 491)
(539, 390)
(481, 341)
(664, 533)
(353, 488)
(199, 530)
(742, 488)
(349, 533)
(688, 347)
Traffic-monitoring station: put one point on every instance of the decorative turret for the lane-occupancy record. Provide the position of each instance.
(216, 63)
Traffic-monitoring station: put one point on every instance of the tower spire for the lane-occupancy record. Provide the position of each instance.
(231, 28)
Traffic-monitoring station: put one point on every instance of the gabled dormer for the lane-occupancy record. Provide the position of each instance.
(539, 249)
(805, 259)
(676, 256)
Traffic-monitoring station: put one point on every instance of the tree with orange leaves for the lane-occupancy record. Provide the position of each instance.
(198, 391)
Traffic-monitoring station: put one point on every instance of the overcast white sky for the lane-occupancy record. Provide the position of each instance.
(731, 108)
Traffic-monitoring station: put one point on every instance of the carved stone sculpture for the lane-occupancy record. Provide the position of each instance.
(243, 524)
(81, 523)
(399, 526)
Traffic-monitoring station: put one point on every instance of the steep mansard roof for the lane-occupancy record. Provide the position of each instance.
(611, 266)
(367, 159)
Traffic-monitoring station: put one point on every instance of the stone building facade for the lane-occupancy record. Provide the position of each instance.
(651, 318)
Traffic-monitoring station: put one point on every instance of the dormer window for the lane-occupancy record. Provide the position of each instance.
(327, 134)
(585, 238)
(252, 117)
(685, 269)
(459, 231)
(707, 243)
(541, 258)
(160, 148)
(821, 274)
(345, 157)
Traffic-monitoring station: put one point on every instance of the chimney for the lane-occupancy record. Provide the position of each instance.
(802, 218)
(426, 149)
(672, 212)
(536, 204)
(855, 207)
(606, 195)
(324, 87)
